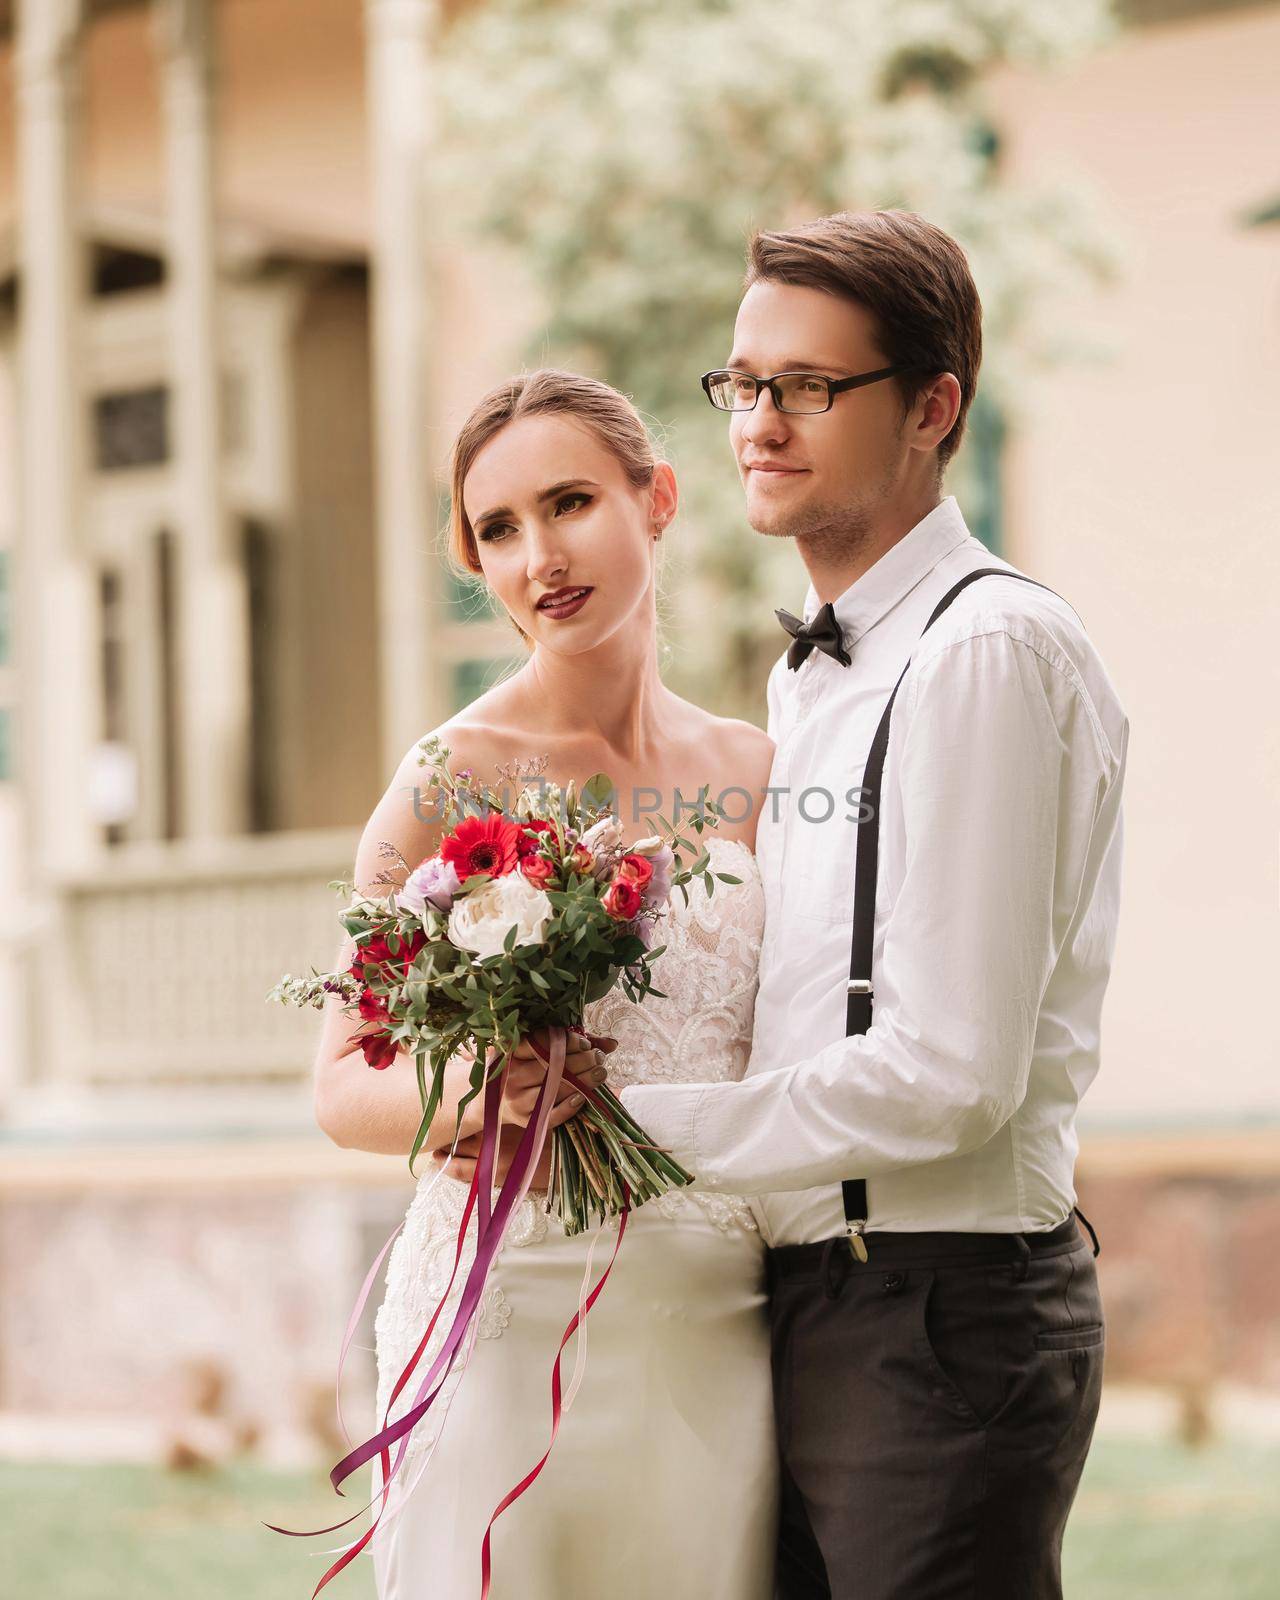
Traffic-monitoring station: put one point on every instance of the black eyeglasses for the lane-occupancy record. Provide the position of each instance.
(808, 392)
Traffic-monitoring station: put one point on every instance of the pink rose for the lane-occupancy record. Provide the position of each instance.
(580, 860)
(622, 899)
(538, 870)
(638, 868)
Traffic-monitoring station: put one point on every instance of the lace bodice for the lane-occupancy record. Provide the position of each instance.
(701, 1031)
(697, 1031)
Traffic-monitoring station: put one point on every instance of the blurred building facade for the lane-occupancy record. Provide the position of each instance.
(232, 350)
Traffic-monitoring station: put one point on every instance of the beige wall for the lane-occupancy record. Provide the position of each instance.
(291, 119)
(1145, 489)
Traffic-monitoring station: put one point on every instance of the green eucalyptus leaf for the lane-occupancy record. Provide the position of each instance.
(600, 792)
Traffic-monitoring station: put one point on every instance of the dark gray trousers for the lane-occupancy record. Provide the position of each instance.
(934, 1410)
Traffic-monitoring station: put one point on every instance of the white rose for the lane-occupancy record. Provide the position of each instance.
(646, 847)
(368, 905)
(603, 836)
(481, 920)
(603, 839)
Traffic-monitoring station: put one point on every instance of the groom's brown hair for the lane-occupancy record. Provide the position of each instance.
(909, 274)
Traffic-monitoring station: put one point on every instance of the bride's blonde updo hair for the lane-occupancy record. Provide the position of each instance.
(548, 392)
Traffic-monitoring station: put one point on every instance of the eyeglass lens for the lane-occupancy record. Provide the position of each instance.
(797, 391)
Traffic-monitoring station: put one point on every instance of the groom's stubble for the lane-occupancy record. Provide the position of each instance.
(834, 532)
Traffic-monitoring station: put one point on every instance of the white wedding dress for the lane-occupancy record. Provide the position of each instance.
(663, 1478)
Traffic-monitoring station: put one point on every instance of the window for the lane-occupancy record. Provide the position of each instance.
(165, 622)
(261, 568)
(131, 428)
(116, 269)
(112, 654)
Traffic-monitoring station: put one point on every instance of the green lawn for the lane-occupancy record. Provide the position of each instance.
(1153, 1522)
(134, 1533)
(1159, 1522)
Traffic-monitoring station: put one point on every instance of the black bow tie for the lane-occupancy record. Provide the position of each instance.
(822, 633)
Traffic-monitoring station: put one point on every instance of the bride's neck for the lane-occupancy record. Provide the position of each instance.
(612, 694)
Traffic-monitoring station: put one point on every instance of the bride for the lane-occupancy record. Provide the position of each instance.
(663, 1478)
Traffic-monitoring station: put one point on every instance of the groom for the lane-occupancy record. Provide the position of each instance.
(908, 1115)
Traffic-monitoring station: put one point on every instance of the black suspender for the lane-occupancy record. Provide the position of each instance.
(860, 992)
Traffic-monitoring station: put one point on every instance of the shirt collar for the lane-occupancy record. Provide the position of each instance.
(898, 570)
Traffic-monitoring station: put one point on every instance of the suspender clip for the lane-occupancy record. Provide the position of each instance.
(859, 986)
(856, 1242)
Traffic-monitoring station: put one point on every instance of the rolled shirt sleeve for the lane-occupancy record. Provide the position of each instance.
(1001, 770)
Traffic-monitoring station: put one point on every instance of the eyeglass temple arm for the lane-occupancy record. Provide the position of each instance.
(839, 385)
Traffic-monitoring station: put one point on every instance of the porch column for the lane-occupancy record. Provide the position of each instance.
(59, 708)
(212, 591)
(412, 699)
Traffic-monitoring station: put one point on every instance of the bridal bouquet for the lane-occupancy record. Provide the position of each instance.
(518, 922)
(520, 919)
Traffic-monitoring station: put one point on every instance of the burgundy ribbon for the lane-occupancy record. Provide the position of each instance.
(556, 1409)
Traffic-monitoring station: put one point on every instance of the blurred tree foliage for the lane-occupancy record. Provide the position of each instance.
(624, 151)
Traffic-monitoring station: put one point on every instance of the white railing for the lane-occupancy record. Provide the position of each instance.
(159, 971)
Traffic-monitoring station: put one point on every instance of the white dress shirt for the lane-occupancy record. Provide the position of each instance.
(995, 920)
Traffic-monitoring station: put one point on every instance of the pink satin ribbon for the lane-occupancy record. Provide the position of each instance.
(492, 1226)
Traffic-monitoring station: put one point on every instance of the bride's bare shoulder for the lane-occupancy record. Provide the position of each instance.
(735, 757)
(488, 737)
(735, 742)
(406, 823)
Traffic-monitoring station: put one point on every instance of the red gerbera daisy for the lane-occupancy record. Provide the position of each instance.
(483, 844)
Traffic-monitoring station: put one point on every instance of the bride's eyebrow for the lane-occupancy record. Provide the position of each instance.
(544, 494)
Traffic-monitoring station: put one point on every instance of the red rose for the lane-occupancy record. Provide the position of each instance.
(490, 845)
(379, 1050)
(372, 953)
(529, 835)
(410, 944)
(622, 899)
(373, 1008)
(538, 870)
(639, 869)
(375, 952)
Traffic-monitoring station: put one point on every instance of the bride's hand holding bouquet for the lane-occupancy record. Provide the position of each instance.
(521, 1080)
